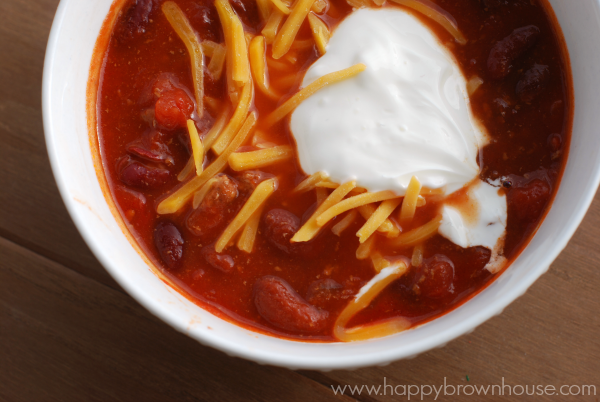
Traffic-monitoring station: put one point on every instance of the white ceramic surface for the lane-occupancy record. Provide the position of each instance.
(74, 32)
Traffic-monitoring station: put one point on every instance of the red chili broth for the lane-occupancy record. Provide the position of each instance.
(520, 146)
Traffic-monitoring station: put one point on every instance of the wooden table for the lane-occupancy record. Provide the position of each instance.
(68, 332)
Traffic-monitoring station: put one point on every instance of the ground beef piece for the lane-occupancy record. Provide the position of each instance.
(215, 207)
(250, 179)
(435, 278)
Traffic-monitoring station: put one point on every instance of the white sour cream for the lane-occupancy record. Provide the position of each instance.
(406, 115)
(478, 221)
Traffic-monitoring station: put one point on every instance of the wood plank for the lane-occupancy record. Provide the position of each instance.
(33, 213)
(66, 337)
(549, 336)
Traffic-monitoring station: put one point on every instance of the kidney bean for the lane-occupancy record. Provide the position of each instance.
(435, 280)
(528, 200)
(533, 83)
(222, 262)
(279, 228)
(249, 179)
(169, 243)
(283, 307)
(506, 51)
(215, 207)
(138, 175)
(321, 291)
(139, 150)
(151, 147)
(135, 21)
(281, 225)
(173, 109)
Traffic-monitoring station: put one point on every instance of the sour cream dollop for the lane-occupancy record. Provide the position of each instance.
(406, 115)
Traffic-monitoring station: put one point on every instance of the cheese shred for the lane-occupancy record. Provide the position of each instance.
(217, 128)
(187, 170)
(365, 249)
(379, 262)
(264, 9)
(263, 157)
(322, 195)
(345, 223)
(310, 229)
(258, 65)
(362, 300)
(248, 236)
(417, 235)
(434, 12)
(186, 33)
(260, 194)
(387, 227)
(200, 194)
(417, 255)
(291, 26)
(272, 26)
(197, 147)
(354, 202)
(182, 195)
(376, 220)
(310, 89)
(217, 61)
(320, 32)
(241, 111)
(281, 6)
(409, 204)
(310, 182)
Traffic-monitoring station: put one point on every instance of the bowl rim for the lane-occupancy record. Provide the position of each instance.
(264, 356)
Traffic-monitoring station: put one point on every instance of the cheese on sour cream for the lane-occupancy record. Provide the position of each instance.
(406, 115)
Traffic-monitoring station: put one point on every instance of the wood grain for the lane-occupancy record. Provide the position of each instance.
(70, 336)
(549, 336)
(68, 332)
(33, 213)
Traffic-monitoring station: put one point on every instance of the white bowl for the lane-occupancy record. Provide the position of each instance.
(67, 65)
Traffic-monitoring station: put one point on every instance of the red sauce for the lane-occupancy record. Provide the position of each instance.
(530, 129)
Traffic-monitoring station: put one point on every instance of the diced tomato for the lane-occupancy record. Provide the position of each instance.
(173, 109)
